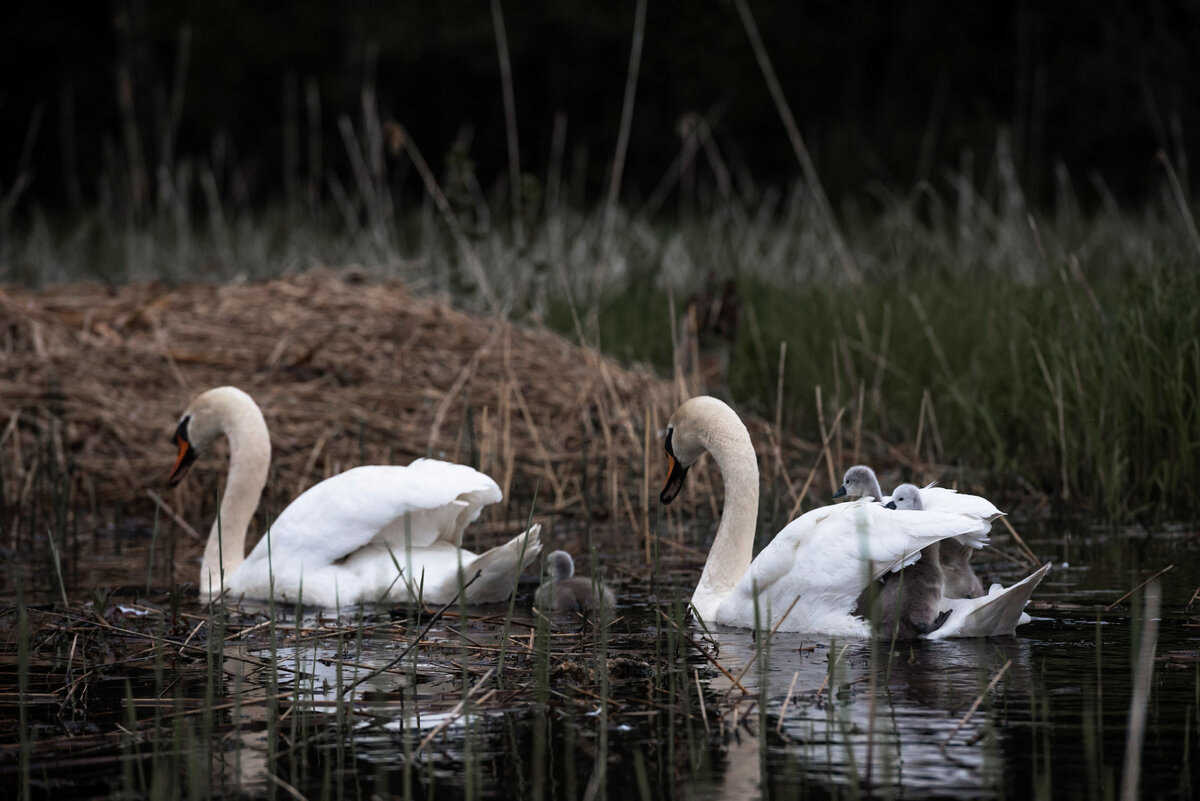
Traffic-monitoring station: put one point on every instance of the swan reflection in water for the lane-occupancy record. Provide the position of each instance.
(833, 738)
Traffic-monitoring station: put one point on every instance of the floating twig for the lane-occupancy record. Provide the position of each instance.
(1166, 569)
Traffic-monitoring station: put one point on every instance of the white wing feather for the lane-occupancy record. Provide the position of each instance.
(344, 513)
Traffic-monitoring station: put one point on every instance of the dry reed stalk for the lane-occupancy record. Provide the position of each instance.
(1180, 199)
(287, 788)
(1166, 569)
(631, 79)
(826, 436)
(700, 695)
(646, 482)
(762, 643)
(443, 206)
(797, 141)
(858, 421)
(833, 665)
(703, 652)
(1029, 554)
(816, 465)
(920, 425)
(171, 513)
(787, 699)
(510, 118)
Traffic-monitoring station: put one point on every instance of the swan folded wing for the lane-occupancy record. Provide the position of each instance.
(426, 502)
(940, 499)
(893, 539)
(815, 556)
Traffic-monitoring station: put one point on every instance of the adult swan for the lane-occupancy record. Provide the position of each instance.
(817, 566)
(340, 541)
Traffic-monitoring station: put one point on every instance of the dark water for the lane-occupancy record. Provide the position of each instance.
(859, 721)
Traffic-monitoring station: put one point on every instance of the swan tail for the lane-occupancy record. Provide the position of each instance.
(993, 615)
(499, 568)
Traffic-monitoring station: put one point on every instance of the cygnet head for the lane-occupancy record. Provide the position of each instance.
(859, 480)
(905, 496)
(560, 566)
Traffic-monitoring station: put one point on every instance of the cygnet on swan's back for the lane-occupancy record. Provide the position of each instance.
(563, 592)
(860, 481)
(959, 579)
(908, 600)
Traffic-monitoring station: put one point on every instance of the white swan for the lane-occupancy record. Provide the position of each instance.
(817, 565)
(564, 592)
(954, 555)
(334, 545)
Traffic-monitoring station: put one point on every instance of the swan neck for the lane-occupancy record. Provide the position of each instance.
(732, 548)
(249, 461)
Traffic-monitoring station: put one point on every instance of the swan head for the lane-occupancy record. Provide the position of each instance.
(560, 566)
(905, 496)
(859, 480)
(688, 432)
(207, 418)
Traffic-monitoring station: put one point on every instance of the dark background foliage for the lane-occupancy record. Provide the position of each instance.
(893, 92)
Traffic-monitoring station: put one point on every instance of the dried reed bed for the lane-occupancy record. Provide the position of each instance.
(348, 372)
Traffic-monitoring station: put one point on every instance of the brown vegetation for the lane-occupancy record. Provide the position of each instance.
(348, 372)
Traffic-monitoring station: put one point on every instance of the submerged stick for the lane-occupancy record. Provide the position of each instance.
(978, 700)
(289, 789)
(762, 641)
(787, 699)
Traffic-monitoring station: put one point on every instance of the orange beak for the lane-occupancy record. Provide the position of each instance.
(186, 456)
(676, 473)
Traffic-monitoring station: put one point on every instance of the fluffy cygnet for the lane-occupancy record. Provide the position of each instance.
(563, 592)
